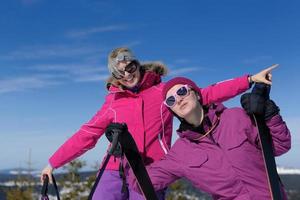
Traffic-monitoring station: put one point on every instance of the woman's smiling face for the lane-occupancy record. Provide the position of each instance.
(129, 80)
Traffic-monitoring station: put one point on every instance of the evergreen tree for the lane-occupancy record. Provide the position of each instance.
(75, 186)
(22, 189)
(184, 190)
(176, 191)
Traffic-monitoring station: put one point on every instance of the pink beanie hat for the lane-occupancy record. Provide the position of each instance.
(180, 80)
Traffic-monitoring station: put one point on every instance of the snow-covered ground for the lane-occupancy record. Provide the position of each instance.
(35, 173)
(283, 170)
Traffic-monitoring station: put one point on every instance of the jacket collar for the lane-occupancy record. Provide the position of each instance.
(210, 121)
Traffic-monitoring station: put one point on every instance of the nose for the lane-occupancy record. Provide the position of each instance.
(179, 99)
(127, 74)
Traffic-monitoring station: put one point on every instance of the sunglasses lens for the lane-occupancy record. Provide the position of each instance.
(117, 76)
(182, 91)
(170, 101)
(131, 67)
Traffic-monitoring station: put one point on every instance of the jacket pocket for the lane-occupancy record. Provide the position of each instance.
(236, 141)
(199, 158)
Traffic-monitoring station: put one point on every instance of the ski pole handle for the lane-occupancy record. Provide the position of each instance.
(114, 142)
(44, 191)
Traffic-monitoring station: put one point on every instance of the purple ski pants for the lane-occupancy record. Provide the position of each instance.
(110, 186)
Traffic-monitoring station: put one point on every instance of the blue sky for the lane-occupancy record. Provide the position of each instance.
(53, 60)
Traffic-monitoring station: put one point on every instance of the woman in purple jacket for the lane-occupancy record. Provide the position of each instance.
(218, 149)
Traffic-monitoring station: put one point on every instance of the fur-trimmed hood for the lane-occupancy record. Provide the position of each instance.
(157, 67)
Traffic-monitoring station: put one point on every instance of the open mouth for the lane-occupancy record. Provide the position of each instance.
(129, 79)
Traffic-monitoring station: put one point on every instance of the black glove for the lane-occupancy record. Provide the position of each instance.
(262, 90)
(258, 102)
(271, 109)
(253, 103)
(112, 129)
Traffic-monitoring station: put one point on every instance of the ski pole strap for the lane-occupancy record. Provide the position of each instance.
(123, 176)
(44, 191)
(55, 187)
(99, 177)
(114, 145)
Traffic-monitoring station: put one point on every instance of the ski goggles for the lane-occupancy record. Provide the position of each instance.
(183, 91)
(130, 68)
(125, 56)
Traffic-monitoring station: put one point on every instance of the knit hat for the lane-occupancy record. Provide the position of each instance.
(180, 80)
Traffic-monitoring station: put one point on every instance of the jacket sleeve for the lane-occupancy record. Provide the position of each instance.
(224, 90)
(84, 139)
(281, 136)
(162, 173)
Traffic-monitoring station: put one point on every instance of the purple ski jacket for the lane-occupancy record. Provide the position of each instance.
(228, 163)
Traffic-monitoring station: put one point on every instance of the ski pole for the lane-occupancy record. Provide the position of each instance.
(114, 144)
(135, 161)
(268, 156)
(266, 145)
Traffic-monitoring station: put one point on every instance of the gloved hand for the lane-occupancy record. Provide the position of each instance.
(262, 90)
(271, 109)
(110, 132)
(258, 102)
(113, 128)
(253, 103)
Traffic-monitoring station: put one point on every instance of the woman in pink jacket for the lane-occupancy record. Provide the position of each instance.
(134, 97)
(218, 149)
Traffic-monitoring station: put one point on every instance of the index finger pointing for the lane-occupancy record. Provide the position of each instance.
(271, 67)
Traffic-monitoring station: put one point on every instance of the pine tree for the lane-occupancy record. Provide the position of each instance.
(23, 188)
(77, 188)
(183, 190)
(175, 191)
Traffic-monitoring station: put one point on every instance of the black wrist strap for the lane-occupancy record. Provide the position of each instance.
(44, 191)
(55, 187)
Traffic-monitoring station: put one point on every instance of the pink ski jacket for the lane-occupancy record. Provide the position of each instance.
(228, 163)
(147, 118)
